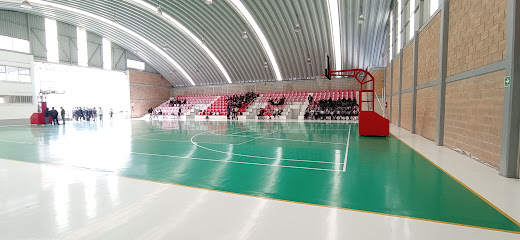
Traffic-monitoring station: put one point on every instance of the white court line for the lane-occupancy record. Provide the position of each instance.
(346, 150)
(20, 125)
(265, 134)
(230, 161)
(243, 155)
(280, 139)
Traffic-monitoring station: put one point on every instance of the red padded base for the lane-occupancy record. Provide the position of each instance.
(38, 118)
(373, 124)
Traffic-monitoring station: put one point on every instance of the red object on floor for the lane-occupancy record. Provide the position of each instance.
(38, 118)
(373, 124)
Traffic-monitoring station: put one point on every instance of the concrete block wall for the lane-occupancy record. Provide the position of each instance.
(406, 111)
(379, 81)
(296, 85)
(428, 60)
(474, 98)
(395, 75)
(477, 34)
(408, 67)
(426, 112)
(474, 116)
(147, 90)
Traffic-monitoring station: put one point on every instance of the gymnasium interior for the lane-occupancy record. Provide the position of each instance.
(259, 119)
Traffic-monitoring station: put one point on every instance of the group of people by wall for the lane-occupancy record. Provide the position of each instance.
(89, 114)
(342, 109)
(52, 116)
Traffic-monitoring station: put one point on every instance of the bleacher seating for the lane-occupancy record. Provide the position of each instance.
(192, 101)
(334, 94)
(220, 105)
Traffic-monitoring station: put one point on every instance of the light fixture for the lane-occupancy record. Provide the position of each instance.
(25, 4)
(266, 65)
(115, 20)
(297, 28)
(361, 19)
(209, 2)
(244, 12)
(244, 35)
(203, 41)
(82, 28)
(159, 11)
(166, 48)
(309, 61)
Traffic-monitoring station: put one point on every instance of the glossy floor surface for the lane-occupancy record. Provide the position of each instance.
(314, 163)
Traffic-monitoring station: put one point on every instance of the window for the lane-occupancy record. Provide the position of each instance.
(51, 37)
(15, 99)
(24, 75)
(135, 64)
(3, 77)
(434, 5)
(107, 54)
(14, 44)
(15, 74)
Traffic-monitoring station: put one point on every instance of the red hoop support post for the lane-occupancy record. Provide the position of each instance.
(370, 123)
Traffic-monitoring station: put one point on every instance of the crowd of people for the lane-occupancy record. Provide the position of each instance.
(342, 109)
(277, 101)
(89, 114)
(236, 102)
(52, 114)
(175, 103)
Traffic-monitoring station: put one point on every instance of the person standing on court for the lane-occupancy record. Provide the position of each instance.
(100, 114)
(46, 115)
(54, 115)
(62, 115)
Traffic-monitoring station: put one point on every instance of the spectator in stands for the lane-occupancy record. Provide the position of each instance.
(310, 98)
(160, 112)
(261, 113)
(62, 115)
(228, 111)
(179, 114)
(46, 114)
(150, 111)
(111, 113)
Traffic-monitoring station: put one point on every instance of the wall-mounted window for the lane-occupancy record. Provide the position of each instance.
(14, 44)
(135, 64)
(15, 74)
(16, 99)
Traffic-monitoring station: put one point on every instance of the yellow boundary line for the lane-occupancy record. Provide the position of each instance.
(318, 205)
(471, 190)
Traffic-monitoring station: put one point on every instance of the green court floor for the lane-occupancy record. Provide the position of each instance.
(300, 162)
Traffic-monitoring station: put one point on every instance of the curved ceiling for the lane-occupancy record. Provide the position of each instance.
(227, 56)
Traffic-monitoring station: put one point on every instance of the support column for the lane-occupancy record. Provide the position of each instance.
(391, 87)
(383, 94)
(443, 63)
(511, 116)
(419, 13)
(414, 81)
(403, 42)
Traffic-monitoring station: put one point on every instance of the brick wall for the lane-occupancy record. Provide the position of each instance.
(426, 113)
(388, 80)
(408, 66)
(147, 90)
(395, 109)
(428, 52)
(395, 83)
(406, 111)
(477, 34)
(474, 116)
(379, 81)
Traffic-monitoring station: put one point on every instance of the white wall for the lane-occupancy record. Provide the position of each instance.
(83, 87)
(17, 110)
